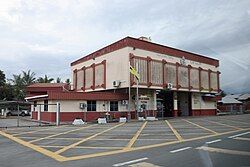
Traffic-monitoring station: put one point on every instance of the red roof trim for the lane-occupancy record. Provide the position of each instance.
(149, 46)
(106, 96)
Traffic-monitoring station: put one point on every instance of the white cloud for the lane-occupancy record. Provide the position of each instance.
(48, 31)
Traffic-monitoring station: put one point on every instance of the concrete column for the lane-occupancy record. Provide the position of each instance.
(57, 114)
(39, 115)
(175, 104)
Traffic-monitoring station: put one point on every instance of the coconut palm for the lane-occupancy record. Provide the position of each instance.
(18, 87)
(58, 80)
(46, 79)
(28, 77)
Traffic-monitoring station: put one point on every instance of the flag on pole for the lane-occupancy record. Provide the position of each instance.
(134, 72)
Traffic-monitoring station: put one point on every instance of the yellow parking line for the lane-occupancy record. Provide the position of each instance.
(135, 137)
(82, 147)
(242, 138)
(178, 136)
(27, 137)
(225, 151)
(34, 147)
(142, 147)
(225, 125)
(29, 132)
(113, 139)
(108, 148)
(245, 123)
(57, 134)
(200, 126)
(85, 139)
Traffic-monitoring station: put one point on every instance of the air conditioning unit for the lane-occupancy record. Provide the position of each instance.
(82, 106)
(124, 102)
(116, 83)
(169, 85)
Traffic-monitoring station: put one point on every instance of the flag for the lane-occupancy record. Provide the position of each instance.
(134, 72)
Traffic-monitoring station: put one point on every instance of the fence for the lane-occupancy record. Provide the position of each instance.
(19, 114)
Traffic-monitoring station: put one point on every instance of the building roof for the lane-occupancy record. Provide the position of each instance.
(149, 46)
(234, 96)
(229, 100)
(43, 88)
(46, 85)
(105, 96)
(244, 96)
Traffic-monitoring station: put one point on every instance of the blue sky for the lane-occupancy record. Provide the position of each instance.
(46, 36)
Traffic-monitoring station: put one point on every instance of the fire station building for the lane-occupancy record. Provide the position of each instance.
(172, 83)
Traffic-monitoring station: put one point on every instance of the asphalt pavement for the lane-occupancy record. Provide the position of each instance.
(190, 141)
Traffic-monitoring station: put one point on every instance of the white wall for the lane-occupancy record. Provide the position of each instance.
(199, 103)
(117, 67)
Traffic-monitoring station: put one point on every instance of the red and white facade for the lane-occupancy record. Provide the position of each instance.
(194, 79)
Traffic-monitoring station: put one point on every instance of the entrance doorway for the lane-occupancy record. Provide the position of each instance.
(184, 103)
(165, 103)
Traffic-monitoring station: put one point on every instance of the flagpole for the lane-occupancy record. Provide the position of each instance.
(129, 93)
(137, 93)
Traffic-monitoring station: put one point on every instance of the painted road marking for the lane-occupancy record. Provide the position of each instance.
(237, 121)
(83, 147)
(143, 164)
(178, 136)
(200, 126)
(214, 141)
(225, 125)
(29, 132)
(34, 147)
(110, 152)
(242, 138)
(241, 134)
(86, 139)
(225, 151)
(135, 137)
(130, 162)
(181, 149)
(51, 136)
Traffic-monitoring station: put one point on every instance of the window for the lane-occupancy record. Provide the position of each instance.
(45, 105)
(114, 106)
(91, 105)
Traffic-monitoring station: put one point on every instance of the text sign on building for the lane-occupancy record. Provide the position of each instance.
(183, 61)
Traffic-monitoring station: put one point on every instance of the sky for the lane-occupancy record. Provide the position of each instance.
(46, 36)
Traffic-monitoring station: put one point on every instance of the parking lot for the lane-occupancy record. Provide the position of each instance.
(68, 142)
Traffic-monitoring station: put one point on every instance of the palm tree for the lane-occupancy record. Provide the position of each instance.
(58, 80)
(67, 81)
(17, 80)
(46, 79)
(18, 86)
(28, 77)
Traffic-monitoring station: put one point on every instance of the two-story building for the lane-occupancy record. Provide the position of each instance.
(172, 81)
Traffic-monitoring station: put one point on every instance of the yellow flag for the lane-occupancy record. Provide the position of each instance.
(134, 72)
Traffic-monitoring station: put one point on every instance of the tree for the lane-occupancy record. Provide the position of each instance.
(46, 79)
(28, 77)
(18, 87)
(58, 80)
(67, 81)
(223, 93)
(2, 78)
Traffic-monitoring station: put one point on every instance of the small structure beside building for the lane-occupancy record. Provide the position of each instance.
(230, 105)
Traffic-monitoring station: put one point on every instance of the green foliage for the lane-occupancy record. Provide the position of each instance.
(28, 77)
(67, 81)
(58, 80)
(15, 88)
(46, 79)
(2, 78)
